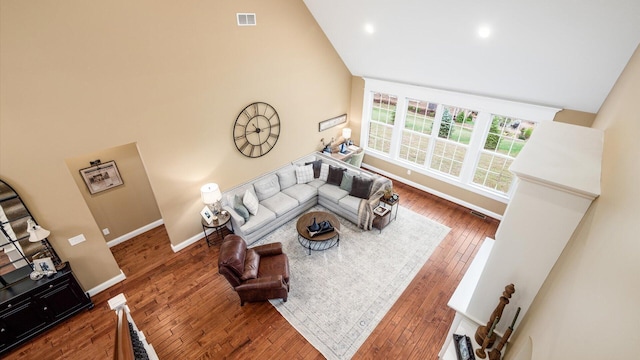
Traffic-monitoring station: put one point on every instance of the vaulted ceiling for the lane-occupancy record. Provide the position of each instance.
(561, 53)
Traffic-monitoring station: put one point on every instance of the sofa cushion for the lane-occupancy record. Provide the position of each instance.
(361, 187)
(304, 174)
(239, 207)
(267, 187)
(347, 181)
(317, 164)
(302, 192)
(251, 202)
(251, 265)
(335, 175)
(350, 203)
(280, 203)
(287, 177)
(262, 219)
(316, 183)
(332, 193)
(324, 172)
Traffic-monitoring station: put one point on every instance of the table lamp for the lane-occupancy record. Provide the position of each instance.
(211, 196)
(346, 134)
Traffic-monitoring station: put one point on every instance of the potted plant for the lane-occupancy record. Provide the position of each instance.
(388, 192)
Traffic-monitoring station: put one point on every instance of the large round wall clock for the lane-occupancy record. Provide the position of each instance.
(256, 130)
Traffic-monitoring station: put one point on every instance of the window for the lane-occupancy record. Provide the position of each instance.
(418, 124)
(454, 135)
(503, 143)
(456, 138)
(383, 117)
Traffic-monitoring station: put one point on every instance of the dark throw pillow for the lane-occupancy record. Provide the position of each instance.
(335, 175)
(317, 165)
(361, 187)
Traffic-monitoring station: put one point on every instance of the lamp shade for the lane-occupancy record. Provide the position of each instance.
(36, 232)
(210, 193)
(346, 133)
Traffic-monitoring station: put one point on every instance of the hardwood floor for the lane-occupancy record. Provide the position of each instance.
(188, 311)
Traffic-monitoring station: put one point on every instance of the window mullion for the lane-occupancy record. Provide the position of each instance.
(435, 130)
(396, 137)
(480, 131)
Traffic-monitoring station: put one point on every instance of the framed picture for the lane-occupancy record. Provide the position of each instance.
(44, 265)
(101, 177)
(327, 124)
(207, 215)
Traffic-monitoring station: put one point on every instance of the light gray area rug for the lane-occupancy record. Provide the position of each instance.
(338, 296)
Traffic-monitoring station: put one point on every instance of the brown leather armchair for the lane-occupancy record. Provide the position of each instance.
(257, 274)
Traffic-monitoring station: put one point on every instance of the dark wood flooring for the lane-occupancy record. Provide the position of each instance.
(188, 311)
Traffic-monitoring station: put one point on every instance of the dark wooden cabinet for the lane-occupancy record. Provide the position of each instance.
(28, 307)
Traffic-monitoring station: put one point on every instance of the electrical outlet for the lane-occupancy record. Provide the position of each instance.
(408, 171)
(106, 231)
(77, 239)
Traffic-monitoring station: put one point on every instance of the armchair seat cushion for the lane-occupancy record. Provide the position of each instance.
(274, 265)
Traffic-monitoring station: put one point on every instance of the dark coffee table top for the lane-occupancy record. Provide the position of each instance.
(307, 219)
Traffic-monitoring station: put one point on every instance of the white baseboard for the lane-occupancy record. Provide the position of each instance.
(189, 241)
(134, 233)
(434, 192)
(107, 284)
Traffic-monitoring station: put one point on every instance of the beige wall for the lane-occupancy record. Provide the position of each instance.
(588, 306)
(428, 182)
(125, 208)
(80, 76)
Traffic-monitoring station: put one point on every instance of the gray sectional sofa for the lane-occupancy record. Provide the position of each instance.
(263, 204)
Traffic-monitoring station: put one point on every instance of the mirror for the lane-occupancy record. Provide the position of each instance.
(17, 251)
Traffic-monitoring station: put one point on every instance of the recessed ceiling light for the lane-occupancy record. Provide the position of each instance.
(484, 31)
(369, 28)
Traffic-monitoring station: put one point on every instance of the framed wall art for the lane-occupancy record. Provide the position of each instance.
(101, 176)
(327, 124)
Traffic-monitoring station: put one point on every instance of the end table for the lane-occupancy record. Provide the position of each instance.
(392, 204)
(217, 226)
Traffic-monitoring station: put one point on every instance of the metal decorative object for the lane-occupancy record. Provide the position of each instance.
(256, 130)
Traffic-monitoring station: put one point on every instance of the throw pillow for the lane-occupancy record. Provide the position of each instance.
(324, 172)
(361, 187)
(316, 167)
(251, 202)
(239, 207)
(304, 174)
(347, 181)
(251, 264)
(335, 175)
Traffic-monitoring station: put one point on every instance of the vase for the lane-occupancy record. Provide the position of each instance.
(314, 225)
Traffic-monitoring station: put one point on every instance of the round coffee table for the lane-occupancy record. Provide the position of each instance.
(322, 241)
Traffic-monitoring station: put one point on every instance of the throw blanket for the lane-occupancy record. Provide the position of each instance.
(365, 210)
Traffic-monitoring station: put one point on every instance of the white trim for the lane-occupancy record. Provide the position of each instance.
(134, 233)
(485, 106)
(192, 240)
(107, 284)
(472, 102)
(434, 192)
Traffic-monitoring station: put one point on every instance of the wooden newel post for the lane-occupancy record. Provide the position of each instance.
(482, 331)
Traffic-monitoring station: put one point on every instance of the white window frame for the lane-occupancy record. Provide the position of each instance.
(485, 106)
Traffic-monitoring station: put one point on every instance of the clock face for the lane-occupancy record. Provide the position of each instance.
(256, 130)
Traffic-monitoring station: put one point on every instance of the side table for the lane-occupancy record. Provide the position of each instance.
(381, 217)
(392, 204)
(217, 225)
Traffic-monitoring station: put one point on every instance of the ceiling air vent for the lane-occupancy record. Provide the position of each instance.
(246, 19)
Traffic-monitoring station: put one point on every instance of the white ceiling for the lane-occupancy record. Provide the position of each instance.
(560, 53)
